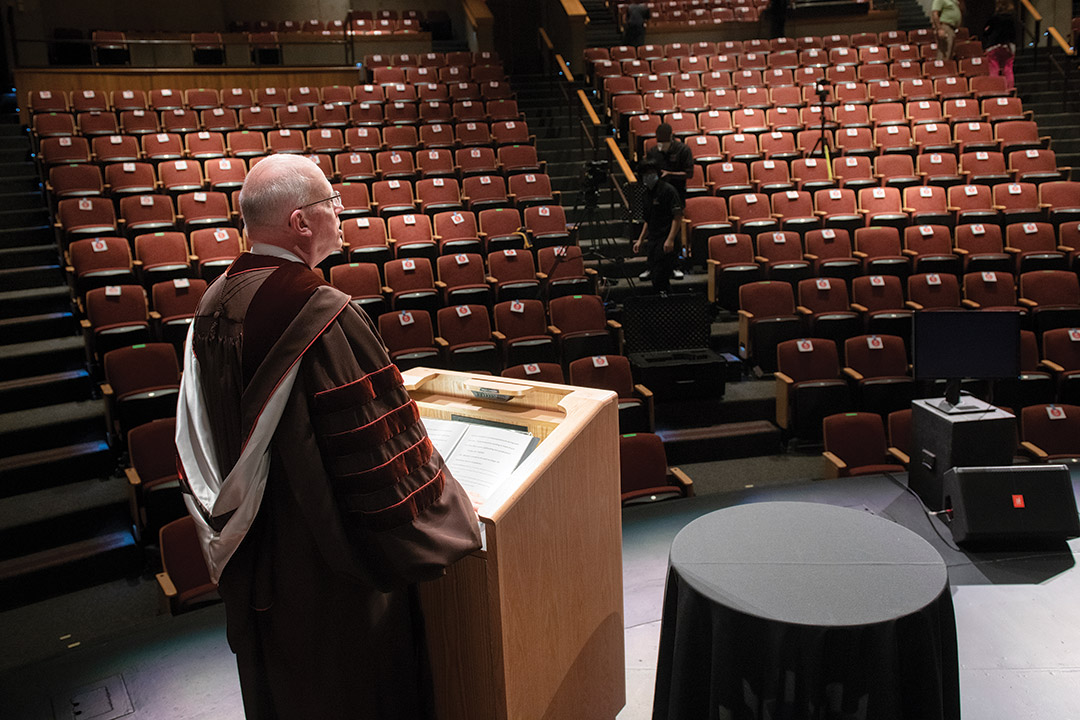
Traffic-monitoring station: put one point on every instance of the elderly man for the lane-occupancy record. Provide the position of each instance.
(318, 496)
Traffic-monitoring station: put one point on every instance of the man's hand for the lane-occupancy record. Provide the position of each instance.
(669, 245)
(637, 246)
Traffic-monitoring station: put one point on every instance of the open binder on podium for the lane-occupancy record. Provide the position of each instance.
(531, 626)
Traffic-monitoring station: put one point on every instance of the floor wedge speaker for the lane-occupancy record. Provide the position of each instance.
(1017, 504)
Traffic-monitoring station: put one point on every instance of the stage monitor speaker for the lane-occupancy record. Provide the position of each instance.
(1019, 504)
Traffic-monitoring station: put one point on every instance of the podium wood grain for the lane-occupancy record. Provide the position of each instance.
(533, 626)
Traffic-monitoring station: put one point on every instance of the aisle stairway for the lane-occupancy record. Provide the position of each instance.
(740, 426)
(63, 518)
(1053, 108)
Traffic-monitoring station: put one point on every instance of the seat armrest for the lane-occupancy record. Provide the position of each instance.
(912, 305)
(682, 480)
(970, 304)
(499, 337)
(1051, 365)
(802, 310)
(833, 465)
(441, 342)
(166, 585)
(1026, 302)
(899, 455)
(132, 476)
(1034, 450)
(853, 374)
(553, 330)
(859, 308)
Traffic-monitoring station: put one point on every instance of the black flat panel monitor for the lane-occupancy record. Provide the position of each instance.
(955, 345)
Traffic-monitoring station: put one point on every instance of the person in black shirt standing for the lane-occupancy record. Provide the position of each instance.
(663, 216)
(674, 159)
(634, 27)
(676, 164)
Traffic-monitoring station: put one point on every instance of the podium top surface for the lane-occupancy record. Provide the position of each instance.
(555, 414)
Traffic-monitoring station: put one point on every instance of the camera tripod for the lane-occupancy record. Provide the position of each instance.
(602, 246)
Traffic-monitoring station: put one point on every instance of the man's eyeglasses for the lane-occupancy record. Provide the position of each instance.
(334, 200)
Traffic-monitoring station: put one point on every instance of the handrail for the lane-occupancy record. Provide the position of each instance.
(588, 108)
(564, 68)
(1053, 31)
(624, 166)
(574, 8)
(1031, 9)
(546, 39)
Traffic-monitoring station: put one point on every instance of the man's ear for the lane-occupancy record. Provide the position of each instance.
(299, 223)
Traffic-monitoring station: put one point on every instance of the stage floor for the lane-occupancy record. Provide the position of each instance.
(1018, 627)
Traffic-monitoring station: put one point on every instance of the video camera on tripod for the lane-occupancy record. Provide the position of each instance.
(821, 87)
(594, 175)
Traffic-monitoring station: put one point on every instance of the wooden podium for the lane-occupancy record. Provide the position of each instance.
(531, 626)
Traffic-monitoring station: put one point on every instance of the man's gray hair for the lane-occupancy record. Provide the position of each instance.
(274, 188)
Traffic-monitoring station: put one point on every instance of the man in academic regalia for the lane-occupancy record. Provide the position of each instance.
(318, 497)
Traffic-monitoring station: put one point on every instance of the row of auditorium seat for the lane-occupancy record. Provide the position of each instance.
(901, 62)
(238, 143)
(436, 173)
(473, 142)
(875, 377)
(921, 127)
(855, 443)
(735, 258)
(993, 102)
(979, 149)
(979, 169)
(782, 88)
(239, 98)
(649, 51)
(768, 314)
(497, 122)
(91, 216)
(873, 204)
(398, 272)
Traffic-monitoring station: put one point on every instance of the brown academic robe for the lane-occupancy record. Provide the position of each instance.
(320, 595)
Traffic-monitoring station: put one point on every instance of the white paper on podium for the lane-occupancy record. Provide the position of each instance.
(479, 456)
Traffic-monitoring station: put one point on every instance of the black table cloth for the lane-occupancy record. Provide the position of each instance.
(805, 611)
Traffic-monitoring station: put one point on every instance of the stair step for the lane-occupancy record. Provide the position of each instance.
(29, 328)
(19, 182)
(28, 235)
(42, 390)
(27, 359)
(50, 517)
(67, 568)
(47, 428)
(42, 469)
(28, 255)
(721, 442)
(29, 200)
(23, 217)
(29, 277)
(36, 301)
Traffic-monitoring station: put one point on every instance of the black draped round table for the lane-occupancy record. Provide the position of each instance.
(805, 611)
